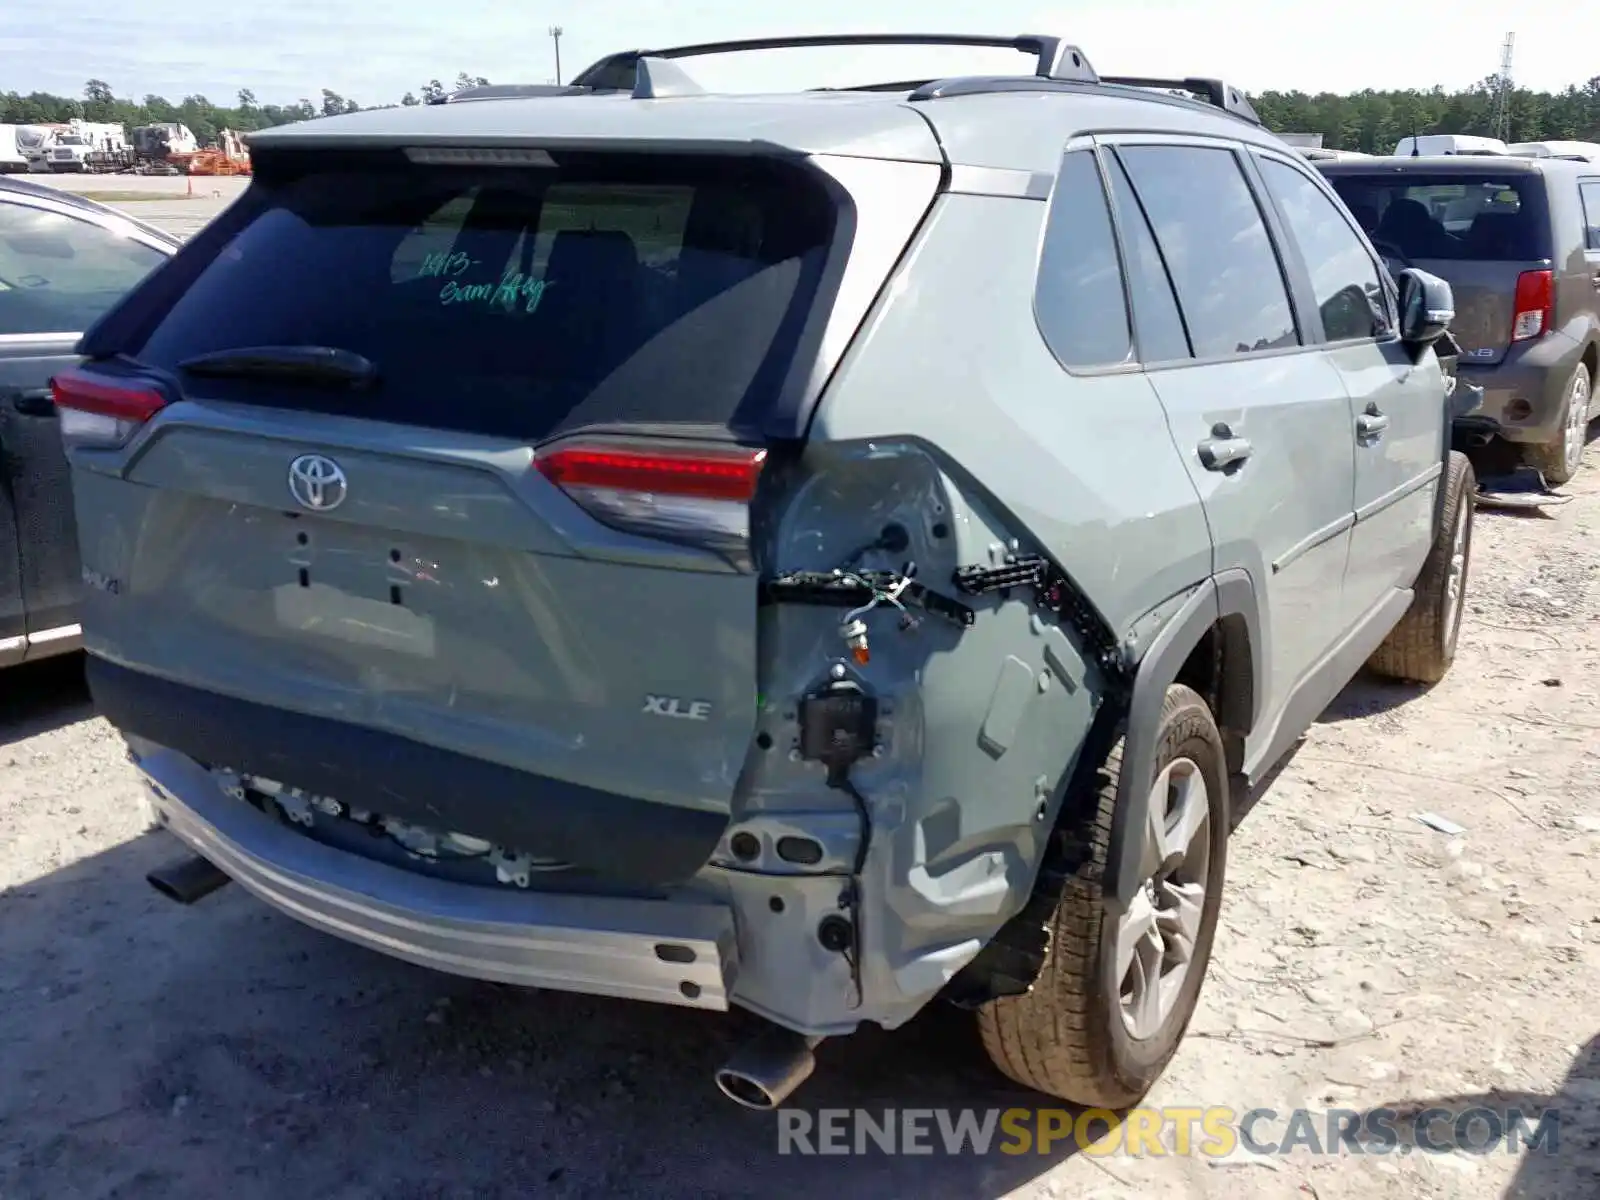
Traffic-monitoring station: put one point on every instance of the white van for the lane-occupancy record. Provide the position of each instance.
(1579, 151)
(12, 160)
(1430, 144)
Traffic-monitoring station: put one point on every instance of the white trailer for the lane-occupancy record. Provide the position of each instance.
(34, 141)
(1579, 151)
(1430, 144)
(88, 146)
(12, 159)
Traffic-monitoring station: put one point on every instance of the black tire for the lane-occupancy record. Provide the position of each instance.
(1066, 1037)
(1422, 646)
(1551, 457)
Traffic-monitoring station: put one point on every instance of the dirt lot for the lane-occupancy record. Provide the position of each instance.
(1365, 960)
(179, 204)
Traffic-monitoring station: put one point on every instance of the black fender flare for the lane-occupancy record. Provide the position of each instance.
(1230, 593)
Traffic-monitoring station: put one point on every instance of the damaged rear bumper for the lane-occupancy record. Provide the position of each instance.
(680, 951)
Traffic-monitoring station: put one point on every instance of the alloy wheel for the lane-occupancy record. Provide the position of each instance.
(1157, 935)
(1576, 433)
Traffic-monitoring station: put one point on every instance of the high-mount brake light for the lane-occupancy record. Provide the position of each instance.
(479, 156)
(1534, 311)
(690, 493)
(97, 412)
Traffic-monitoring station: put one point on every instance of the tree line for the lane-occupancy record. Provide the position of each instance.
(203, 117)
(1372, 121)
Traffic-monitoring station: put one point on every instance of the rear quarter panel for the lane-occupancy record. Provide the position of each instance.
(1085, 465)
(951, 384)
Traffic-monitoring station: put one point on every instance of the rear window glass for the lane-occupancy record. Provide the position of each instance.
(1459, 216)
(520, 302)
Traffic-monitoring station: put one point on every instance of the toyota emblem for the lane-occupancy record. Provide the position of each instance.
(317, 482)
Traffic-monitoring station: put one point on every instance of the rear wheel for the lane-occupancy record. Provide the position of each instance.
(1116, 991)
(1558, 461)
(1422, 646)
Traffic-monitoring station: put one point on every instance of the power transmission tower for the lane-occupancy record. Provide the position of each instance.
(555, 36)
(1502, 98)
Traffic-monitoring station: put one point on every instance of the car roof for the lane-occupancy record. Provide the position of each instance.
(1016, 122)
(1015, 129)
(832, 123)
(1477, 164)
(37, 191)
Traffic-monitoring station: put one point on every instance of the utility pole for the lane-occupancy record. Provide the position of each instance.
(1502, 99)
(555, 36)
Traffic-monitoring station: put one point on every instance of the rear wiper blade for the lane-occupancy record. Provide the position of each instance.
(292, 364)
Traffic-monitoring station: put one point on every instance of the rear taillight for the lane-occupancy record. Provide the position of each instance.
(98, 412)
(1533, 314)
(689, 493)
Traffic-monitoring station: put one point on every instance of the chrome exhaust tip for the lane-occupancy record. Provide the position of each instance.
(187, 880)
(768, 1069)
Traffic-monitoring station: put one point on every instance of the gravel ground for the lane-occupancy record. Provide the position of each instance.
(1364, 960)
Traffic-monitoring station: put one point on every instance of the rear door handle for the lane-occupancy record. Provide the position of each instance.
(35, 402)
(1370, 425)
(1222, 451)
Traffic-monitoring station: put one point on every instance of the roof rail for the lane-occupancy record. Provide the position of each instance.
(1055, 58)
(509, 91)
(656, 79)
(648, 75)
(1213, 91)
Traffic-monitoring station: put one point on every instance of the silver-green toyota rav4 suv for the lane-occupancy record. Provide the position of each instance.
(815, 552)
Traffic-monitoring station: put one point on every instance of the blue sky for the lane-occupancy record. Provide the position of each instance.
(375, 50)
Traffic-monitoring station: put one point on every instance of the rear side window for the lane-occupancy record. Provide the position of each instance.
(59, 273)
(1156, 317)
(1216, 245)
(521, 302)
(1344, 278)
(1591, 214)
(1082, 310)
(1450, 216)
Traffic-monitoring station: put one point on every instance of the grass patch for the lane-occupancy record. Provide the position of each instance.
(135, 197)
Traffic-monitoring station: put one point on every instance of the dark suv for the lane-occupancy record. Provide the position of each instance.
(1519, 240)
(64, 260)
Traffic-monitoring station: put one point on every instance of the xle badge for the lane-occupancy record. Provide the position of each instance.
(682, 710)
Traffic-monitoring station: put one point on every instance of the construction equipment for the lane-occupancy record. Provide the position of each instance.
(227, 157)
(163, 148)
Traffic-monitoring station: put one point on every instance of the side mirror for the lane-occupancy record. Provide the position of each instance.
(1427, 306)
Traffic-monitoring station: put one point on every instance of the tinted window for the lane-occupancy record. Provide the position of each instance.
(1216, 246)
(1082, 310)
(1155, 309)
(521, 302)
(1591, 214)
(59, 273)
(1344, 279)
(1456, 215)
